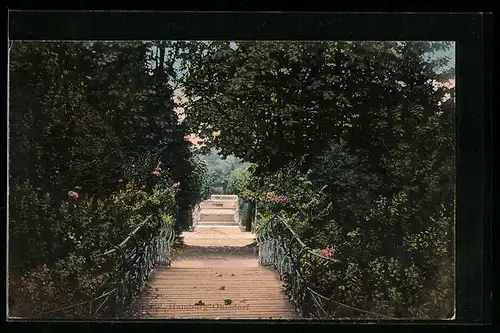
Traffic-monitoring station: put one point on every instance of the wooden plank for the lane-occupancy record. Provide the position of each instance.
(217, 264)
(255, 292)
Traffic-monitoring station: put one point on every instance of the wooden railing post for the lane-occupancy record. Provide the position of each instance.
(250, 215)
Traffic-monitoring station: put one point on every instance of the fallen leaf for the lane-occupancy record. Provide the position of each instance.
(219, 275)
(232, 274)
(222, 288)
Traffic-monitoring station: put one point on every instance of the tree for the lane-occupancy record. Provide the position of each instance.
(359, 136)
(275, 101)
(219, 170)
(96, 119)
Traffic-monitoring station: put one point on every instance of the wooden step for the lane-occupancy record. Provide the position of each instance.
(217, 235)
(255, 292)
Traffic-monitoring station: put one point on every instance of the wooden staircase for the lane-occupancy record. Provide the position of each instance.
(214, 283)
(216, 276)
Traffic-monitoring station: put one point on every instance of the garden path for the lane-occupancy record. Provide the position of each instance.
(215, 275)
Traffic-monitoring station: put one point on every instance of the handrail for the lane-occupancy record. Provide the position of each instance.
(106, 293)
(127, 238)
(298, 267)
(133, 271)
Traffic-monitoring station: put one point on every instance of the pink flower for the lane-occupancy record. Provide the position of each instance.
(276, 198)
(156, 173)
(176, 186)
(73, 194)
(328, 252)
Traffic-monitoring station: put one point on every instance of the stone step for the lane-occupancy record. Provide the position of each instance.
(217, 213)
(218, 205)
(223, 211)
(216, 223)
(226, 229)
(209, 207)
(223, 197)
(217, 220)
(213, 217)
(221, 200)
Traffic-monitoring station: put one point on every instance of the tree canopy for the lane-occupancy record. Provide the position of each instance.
(351, 142)
(276, 101)
(95, 148)
(219, 170)
(356, 140)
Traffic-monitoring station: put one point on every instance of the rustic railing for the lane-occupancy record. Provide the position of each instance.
(135, 261)
(301, 271)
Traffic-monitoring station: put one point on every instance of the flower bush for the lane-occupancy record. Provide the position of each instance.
(81, 230)
(312, 265)
(333, 203)
(276, 198)
(80, 181)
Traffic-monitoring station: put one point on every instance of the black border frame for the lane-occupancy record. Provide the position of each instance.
(473, 121)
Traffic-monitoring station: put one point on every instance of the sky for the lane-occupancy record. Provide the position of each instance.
(450, 53)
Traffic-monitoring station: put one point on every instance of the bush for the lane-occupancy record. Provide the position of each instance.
(66, 268)
(89, 125)
(390, 247)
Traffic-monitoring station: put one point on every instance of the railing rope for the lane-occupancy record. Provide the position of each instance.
(135, 268)
(281, 248)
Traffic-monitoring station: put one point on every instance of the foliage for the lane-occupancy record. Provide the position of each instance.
(194, 189)
(275, 101)
(359, 137)
(239, 183)
(90, 122)
(219, 170)
(352, 142)
(88, 229)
